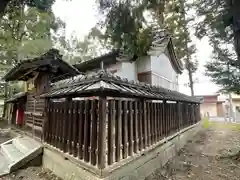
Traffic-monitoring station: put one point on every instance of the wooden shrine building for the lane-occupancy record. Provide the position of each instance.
(38, 74)
(100, 121)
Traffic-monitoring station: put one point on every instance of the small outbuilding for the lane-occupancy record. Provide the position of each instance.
(38, 74)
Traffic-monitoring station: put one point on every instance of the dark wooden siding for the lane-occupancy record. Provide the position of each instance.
(145, 77)
(35, 106)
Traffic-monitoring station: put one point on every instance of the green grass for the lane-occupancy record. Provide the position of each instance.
(205, 122)
(222, 125)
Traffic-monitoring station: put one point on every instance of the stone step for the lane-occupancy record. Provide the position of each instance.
(25, 144)
(11, 152)
(3, 165)
(17, 152)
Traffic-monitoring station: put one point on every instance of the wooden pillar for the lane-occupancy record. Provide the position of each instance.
(93, 132)
(164, 119)
(158, 122)
(149, 142)
(136, 127)
(53, 124)
(111, 132)
(81, 105)
(46, 120)
(61, 114)
(125, 130)
(140, 126)
(66, 125)
(144, 124)
(75, 128)
(170, 117)
(50, 134)
(178, 115)
(175, 120)
(155, 124)
(199, 114)
(167, 118)
(152, 133)
(119, 131)
(130, 149)
(102, 133)
(187, 115)
(57, 125)
(70, 126)
(87, 124)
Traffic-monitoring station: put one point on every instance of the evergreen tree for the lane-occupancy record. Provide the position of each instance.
(216, 22)
(43, 5)
(126, 27)
(24, 33)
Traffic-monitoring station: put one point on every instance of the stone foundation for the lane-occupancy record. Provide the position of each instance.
(137, 167)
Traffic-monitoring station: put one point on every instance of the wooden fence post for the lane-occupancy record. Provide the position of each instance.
(144, 124)
(135, 124)
(125, 129)
(141, 119)
(130, 149)
(93, 132)
(70, 126)
(81, 105)
(179, 116)
(75, 128)
(102, 133)
(119, 131)
(46, 120)
(87, 124)
(111, 132)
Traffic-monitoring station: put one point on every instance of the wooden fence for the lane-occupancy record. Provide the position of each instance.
(102, 132)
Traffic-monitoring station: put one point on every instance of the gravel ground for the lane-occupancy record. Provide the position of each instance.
(210, 156)
(31, 173)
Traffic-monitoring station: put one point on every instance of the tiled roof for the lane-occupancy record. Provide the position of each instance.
(161, 41)
(52, 57)
(113, 85)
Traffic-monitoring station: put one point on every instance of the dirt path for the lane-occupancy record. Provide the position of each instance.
(205, 158)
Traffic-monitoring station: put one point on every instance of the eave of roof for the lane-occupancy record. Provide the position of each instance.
(106, 82)
(107, 59)
(49, 58)
(160, 45)
(17, 96)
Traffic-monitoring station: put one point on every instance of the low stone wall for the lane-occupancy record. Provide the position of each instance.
(134, 168)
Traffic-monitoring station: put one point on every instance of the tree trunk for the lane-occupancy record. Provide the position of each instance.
(190, 80)
(189, 64)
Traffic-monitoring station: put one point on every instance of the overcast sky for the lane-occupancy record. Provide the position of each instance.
(80, 16)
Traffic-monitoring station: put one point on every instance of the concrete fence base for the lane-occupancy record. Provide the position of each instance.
(134, 168)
